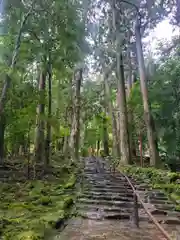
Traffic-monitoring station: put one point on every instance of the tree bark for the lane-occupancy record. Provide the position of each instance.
(118, 119)
(116, 150)
(130, 112)
(124, 135)
(151, 132)
(98, 147)
(141, 150)
(75, 130)
(48, 126)
(2, 136)
(105, 124)
(105, 137)
(39, 151)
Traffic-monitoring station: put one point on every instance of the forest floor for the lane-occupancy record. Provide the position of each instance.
(31, 209)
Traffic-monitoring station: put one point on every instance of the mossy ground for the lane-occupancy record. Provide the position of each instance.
(157, 179)
(29, 209)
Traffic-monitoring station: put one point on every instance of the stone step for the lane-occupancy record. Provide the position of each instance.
(166, 220)
(109, 194)
(108, 177)
(107, 182)
(106, 208)
(108, 198)
(104, 175)
(106, 202)
(173, 214)
(159, 212)
(118, 188)
(164, 206)
(103, 190)
(156, 201)
(107, 187)
(99, 216)
(157, 198)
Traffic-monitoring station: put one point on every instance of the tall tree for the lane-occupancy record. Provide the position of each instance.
(151, 132)
(75, 129)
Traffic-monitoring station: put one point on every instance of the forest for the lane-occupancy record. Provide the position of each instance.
(76, 75)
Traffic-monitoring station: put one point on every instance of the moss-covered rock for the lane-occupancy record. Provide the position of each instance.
(71, 183)
(68, 202)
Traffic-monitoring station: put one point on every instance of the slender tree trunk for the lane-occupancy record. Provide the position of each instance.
(118, 119)
(57, 144)
(2, 136)
(83, 128)
(105, 137)
(28, 152)
(66, 137)
(141, 150)
(105, 125)
(75, 130)
(48, 126)
(116, 150)
(151, 132)
(39, 151)
(98, 147)
(69, 121)
(130, 111)
(124, 135)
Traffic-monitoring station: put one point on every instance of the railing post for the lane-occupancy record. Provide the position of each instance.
(136, 214)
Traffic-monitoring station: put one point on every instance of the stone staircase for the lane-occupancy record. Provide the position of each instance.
(108, 200)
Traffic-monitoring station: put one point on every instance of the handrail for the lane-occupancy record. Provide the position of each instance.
(159, 227)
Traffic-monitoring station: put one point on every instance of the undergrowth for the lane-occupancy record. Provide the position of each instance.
(157, 179)
(30, 209)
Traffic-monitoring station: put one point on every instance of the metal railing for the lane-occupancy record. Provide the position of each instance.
(136, 213)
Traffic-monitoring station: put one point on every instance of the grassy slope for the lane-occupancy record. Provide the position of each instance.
(29, 209)
(157, 179)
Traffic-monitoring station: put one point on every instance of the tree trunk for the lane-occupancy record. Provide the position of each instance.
(2, 135)
(130, 111)
(151, 132)
(116, 150)
(75, 130)
(98, 147)
(124, 135)
(48, 126)
(105, 125)
(66, 137)
(141, 150)
(105, 137)
(118, 119)
(39, 151)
